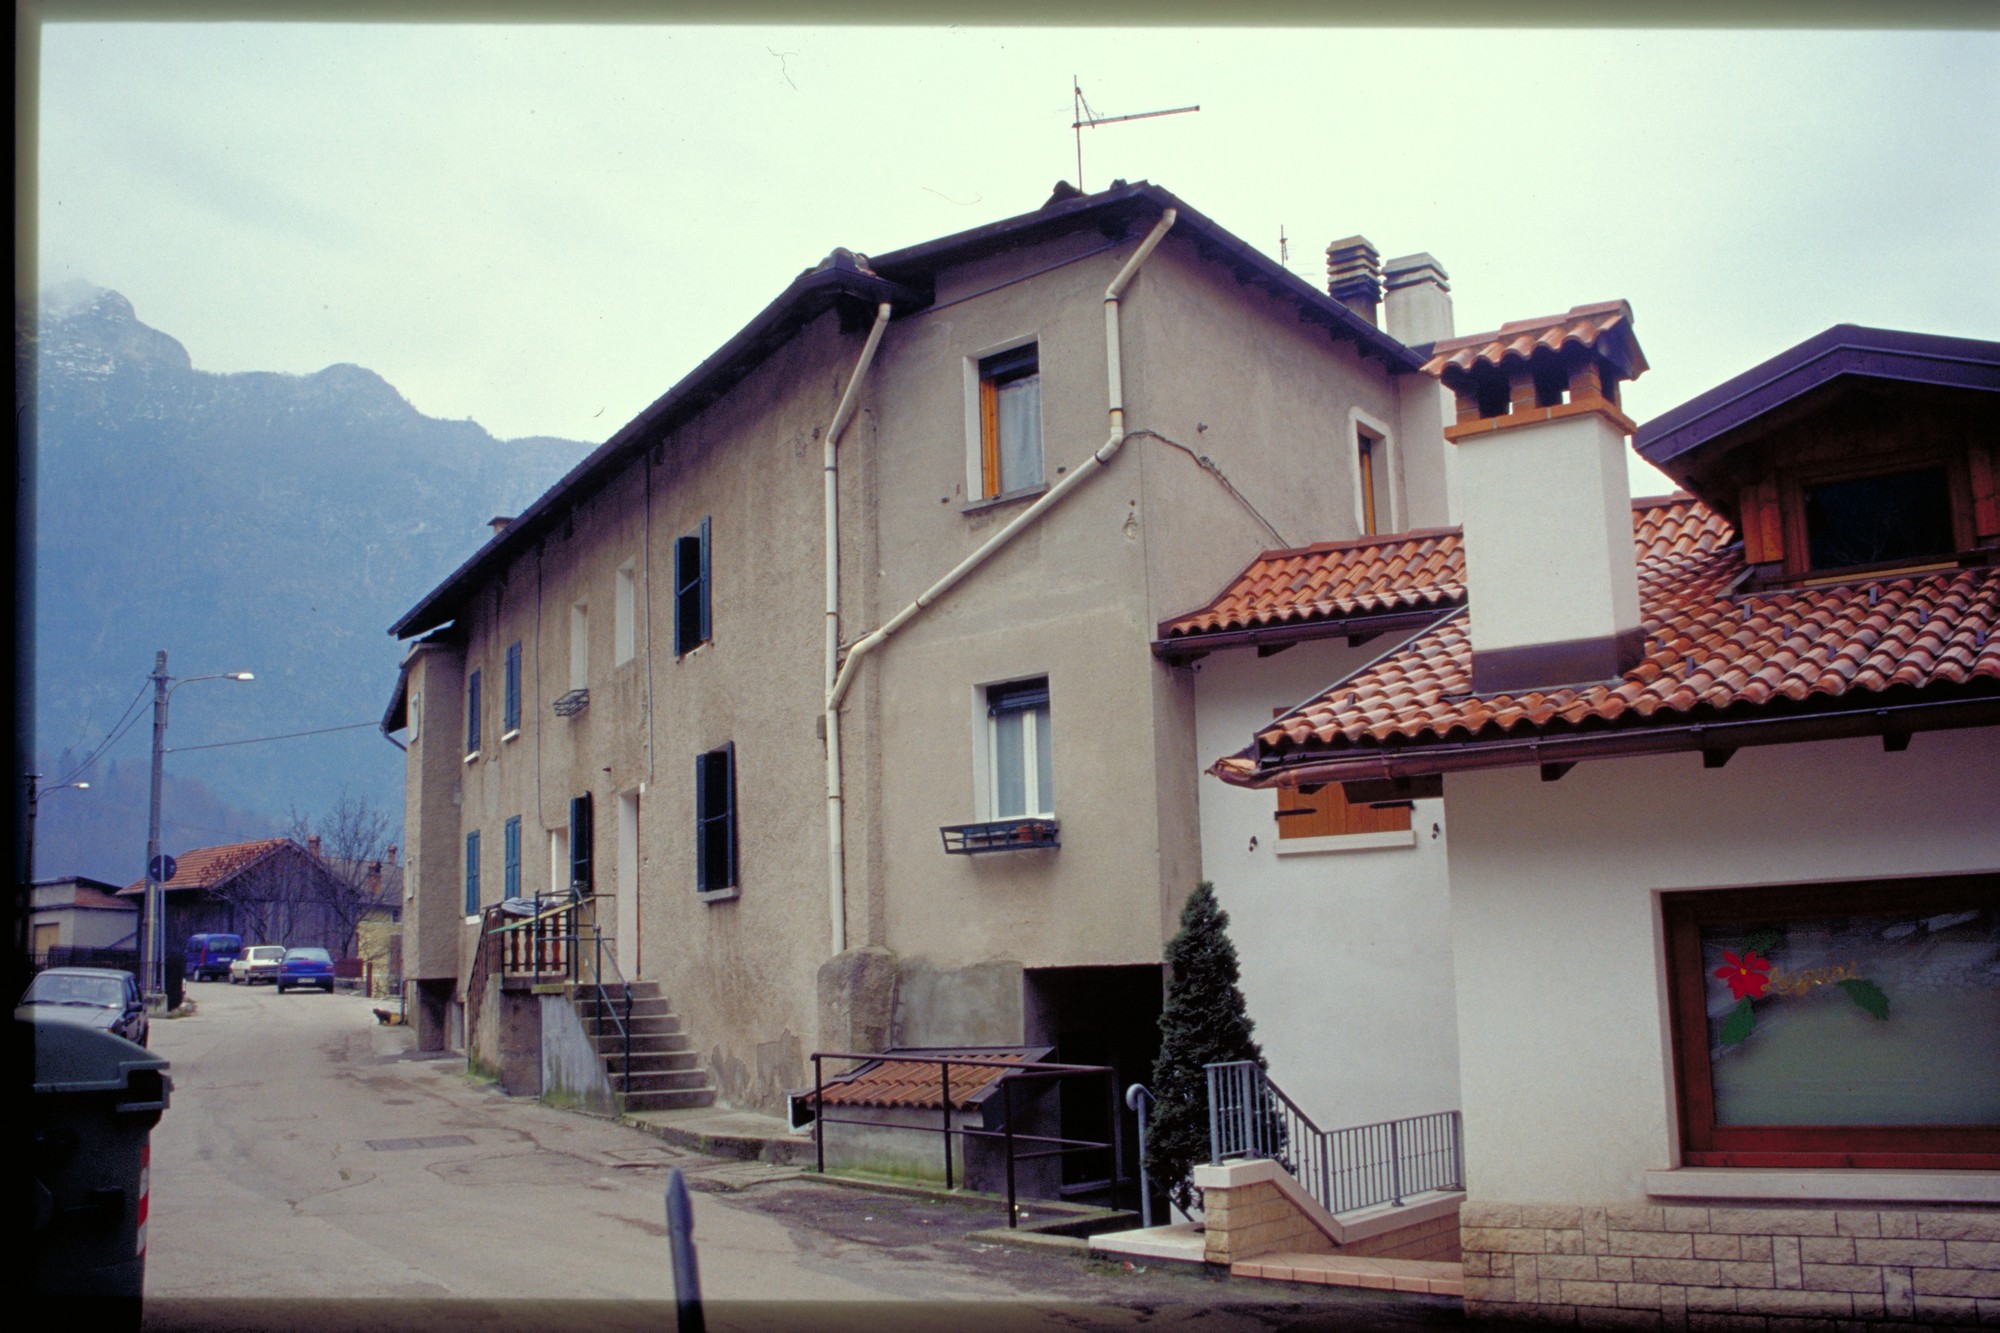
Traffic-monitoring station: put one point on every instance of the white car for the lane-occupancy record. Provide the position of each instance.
(257, 963)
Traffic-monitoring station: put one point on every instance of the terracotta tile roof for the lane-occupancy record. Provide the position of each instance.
(1606, 325)
(205, 867)
(1710, 654)
(1335, 580)
(916, 1082)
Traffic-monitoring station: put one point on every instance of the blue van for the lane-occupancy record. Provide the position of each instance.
(209, 956)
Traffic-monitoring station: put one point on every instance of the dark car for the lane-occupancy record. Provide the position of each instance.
(95, 997)
(305, 967)
(209, 956)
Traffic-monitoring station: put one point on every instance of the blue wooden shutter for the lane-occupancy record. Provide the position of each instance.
(513, 854)
(582, 837)
(472, 713)
(472, 873)
(715, 819)
(513, 703)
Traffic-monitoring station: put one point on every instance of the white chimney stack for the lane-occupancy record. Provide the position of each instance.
(1539, 472)
(1416, 306)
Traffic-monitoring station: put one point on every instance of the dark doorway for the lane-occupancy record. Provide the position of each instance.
(1097, 1016)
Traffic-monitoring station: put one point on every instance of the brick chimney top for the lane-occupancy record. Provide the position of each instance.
(499, 523)
(389, 854)
(312, 844)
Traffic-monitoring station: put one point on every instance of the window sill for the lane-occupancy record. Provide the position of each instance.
(718, 895)
(506, 736)
(1710, 1182)
(996, 501)
(472, 758)
(1347, 842)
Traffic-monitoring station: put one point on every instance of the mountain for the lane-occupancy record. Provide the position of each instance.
(256, 522)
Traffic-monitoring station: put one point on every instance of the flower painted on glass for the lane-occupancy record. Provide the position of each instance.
(1748, 975)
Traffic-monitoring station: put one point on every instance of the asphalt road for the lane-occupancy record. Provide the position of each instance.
(313, 1173)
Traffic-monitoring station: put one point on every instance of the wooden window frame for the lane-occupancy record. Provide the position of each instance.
(1368, 456)
(1793, 484)
(692, 626)
(1703, 1142)
(1011, 698)
(997, 370)
(1327, 813)
(715, 862)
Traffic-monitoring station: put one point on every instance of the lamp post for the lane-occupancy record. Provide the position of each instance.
(35, 793)
(156, 876)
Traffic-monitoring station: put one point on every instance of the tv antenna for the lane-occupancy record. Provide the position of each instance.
(1084, 118)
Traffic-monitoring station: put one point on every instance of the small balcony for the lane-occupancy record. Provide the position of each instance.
(572, 703)
(1000, 835)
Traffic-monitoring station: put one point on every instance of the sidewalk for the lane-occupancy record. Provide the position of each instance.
(718, 1132)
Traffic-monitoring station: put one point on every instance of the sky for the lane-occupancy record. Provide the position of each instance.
(542, 228)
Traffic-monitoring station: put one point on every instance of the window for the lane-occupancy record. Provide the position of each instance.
(511, 706)
(1369, 456)
(512, 850)
(1020, 754)
(472, 873)
(1849, 1025)
(715, 820)
(1875, 520)
(580, 843)
(691, 626)
(579, 646)
(624, 610)
(472, 715)
(1010, 422)
(1327, 813)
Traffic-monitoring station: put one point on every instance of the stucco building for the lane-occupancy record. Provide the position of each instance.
(830, 677)
(1724, 789)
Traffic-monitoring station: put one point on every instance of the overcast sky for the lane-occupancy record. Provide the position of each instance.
(542, 228)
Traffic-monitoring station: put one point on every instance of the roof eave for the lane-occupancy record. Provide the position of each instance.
(1862, 718)
(1179, 649)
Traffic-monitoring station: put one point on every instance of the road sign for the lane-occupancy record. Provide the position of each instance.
(163, 867)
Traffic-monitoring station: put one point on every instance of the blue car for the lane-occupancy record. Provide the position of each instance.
(305, 967)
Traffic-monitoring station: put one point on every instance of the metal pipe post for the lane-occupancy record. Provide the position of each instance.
(1013, 1213)
(819, 1118)
(680, 1243)
(944, 1080)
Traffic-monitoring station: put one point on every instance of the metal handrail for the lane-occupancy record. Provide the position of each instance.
(1360, 1166)
(566, 948)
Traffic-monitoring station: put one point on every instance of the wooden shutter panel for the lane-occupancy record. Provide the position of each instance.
(581, 837)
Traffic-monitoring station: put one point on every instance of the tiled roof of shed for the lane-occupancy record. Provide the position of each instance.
(205, 867)
(917, 1083)
(1709, 653)
(1333, 580)
(1582, 326)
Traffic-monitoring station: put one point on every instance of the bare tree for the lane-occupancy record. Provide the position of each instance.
(351, 840)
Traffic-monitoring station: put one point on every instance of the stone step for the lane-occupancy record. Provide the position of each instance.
(682, 1100)
(591, 1011)
(609, 1044)
(668, 1080)
(652, 1062)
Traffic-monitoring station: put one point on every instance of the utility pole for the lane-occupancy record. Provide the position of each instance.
(156, 960)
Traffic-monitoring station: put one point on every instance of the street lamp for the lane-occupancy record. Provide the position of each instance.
(156, 870)
(35, 794)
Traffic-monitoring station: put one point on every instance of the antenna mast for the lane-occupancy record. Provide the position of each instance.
(1082, 117)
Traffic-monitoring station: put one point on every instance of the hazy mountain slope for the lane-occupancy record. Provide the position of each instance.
(262, 522)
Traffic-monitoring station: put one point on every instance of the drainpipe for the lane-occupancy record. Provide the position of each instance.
(844, 679)
(830, 723)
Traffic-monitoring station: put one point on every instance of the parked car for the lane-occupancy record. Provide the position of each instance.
(209, 956)
(306, 967)
(258, 963)
(95, 997)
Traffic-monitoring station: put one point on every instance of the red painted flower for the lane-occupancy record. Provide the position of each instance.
(1748, 976)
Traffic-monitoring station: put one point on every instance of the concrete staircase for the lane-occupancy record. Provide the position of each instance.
(665, 1073)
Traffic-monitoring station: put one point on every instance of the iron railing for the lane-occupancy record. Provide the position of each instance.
(1017, 1071)
(1360, 1166)
(563, 940)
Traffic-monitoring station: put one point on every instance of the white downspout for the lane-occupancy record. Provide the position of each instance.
(843, 680)
(835, 823)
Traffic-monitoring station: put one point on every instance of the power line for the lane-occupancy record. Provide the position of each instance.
(118, 730)
(258, 740)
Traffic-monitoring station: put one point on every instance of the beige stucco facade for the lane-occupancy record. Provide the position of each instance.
(1239, 386)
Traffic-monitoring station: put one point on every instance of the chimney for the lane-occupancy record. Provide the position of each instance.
(389, 853)
(499, 523)
(1416, 307)
(1539, 471)
(374, 879)
(1354, 275)
(312, 844)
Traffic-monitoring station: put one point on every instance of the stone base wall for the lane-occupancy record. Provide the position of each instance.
(1254, 1208)
(1744, 1267)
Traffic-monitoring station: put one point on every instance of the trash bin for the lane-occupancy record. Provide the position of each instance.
(96, 1100)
